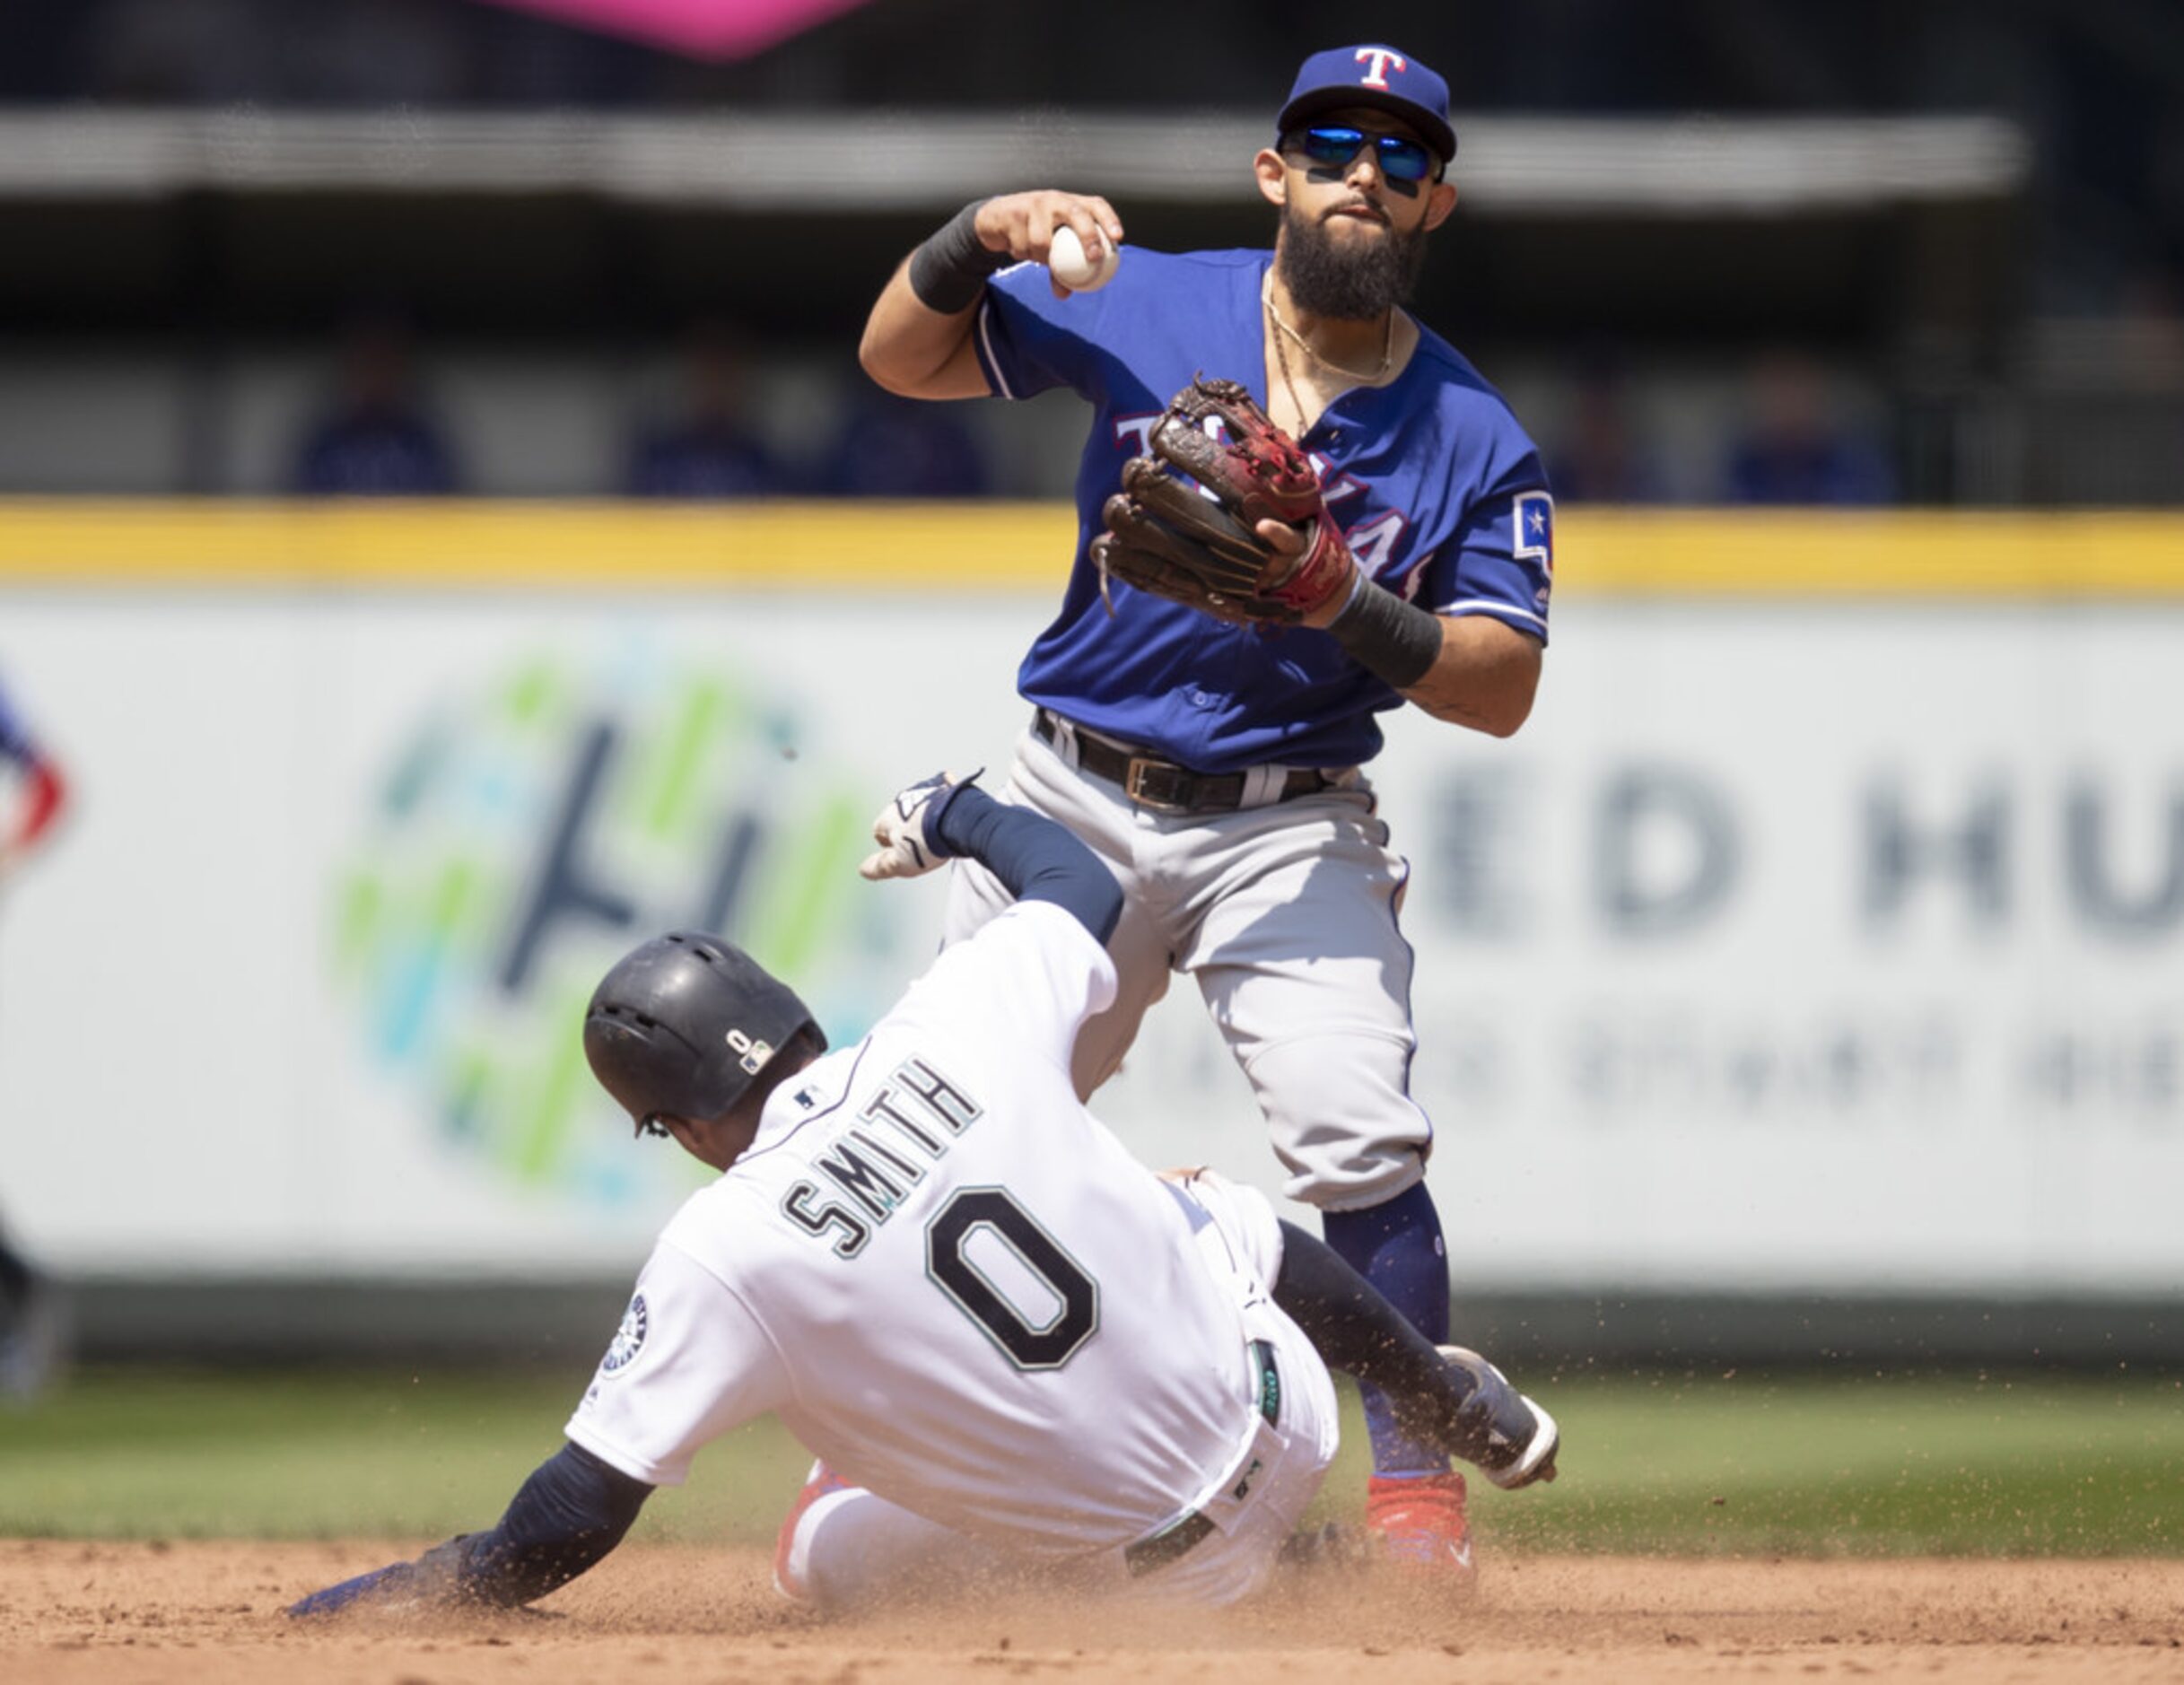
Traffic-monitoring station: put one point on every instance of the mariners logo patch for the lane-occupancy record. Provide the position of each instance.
(629, 1339)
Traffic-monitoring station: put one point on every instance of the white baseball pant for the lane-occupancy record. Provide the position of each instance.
(1286, 916)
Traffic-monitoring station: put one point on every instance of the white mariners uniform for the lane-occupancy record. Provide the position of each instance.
(961, 1292)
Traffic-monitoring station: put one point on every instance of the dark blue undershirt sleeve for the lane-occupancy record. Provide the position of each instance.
(570, 1514)
(567, 1517)
(1357, 1331)
(1036, 859)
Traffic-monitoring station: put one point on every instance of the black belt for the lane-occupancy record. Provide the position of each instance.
(1163, 785)
(1180, 1538)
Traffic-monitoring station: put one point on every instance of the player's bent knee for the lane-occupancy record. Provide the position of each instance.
(1342, 1122)
(851, 1550)
(1355, 1183)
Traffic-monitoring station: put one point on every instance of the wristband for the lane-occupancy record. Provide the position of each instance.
(1390, 638)
(949, 270)
(937, 810)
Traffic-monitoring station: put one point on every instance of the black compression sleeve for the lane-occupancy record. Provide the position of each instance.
(1036, 859)
(1355, 1331)
(569, 1515)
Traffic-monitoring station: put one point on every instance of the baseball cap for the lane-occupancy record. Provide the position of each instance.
(1374, 75)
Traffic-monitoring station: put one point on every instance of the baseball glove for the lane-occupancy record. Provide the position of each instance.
(1184, 524)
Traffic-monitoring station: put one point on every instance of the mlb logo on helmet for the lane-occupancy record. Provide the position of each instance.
(750, 1051)
(1377, 75)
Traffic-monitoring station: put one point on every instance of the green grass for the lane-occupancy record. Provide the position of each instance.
(2074, 1466)
(1867, 1466)
(132, 1454)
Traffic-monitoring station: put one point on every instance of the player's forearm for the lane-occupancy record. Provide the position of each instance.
(917, 352)
(918, 340)
(1355, 1329)
(1036, 859)
(1485, 676)
(1358, 1331)
(1469, 670)
(572, 1511)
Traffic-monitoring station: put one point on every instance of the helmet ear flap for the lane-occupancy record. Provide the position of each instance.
(684, 1025)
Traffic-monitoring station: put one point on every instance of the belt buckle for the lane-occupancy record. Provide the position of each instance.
(1135, 785)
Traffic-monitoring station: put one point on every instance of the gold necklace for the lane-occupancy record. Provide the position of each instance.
(1282, 362)
(1387, 342)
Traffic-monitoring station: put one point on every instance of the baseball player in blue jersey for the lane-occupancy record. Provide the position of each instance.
(1212, 760)
(29, 1321)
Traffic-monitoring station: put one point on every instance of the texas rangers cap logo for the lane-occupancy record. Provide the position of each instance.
(1372, 74)
(1376, 60)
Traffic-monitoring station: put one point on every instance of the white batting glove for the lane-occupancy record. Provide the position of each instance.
(899, 829)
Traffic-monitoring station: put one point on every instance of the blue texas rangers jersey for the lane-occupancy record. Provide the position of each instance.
(1440, 494)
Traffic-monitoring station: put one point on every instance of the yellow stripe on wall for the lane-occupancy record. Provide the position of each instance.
(866, 546)
(792, 545)
(1827, 552)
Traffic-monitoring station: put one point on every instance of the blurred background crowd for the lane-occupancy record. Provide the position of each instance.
(1925, 252)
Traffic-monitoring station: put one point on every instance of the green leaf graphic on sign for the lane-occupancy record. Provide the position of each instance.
(525, 836)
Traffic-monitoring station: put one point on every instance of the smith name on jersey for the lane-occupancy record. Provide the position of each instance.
(937, 1267)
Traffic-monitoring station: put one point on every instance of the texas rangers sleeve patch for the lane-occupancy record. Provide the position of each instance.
(1536, 529)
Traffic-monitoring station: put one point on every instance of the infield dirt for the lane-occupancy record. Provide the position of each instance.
(196, 1613)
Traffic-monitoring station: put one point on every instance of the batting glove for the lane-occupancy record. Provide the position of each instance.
(903, 828)
(379, 1585)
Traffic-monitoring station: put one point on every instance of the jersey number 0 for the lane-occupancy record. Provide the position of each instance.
(1029, 1345)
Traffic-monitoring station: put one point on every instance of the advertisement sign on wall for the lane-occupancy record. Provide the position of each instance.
(1788, 946)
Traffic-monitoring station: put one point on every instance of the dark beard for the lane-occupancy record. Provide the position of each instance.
(1357, 285)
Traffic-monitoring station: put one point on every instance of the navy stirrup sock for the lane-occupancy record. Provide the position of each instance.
(1397, 1246)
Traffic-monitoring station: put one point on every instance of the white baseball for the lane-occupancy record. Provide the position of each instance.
(1067, 262)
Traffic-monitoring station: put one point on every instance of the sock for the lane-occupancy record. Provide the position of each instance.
(1397, 1246)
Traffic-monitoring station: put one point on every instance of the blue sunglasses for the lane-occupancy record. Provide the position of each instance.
(1400, 159)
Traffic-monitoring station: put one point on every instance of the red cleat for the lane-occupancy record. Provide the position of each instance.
(1421, 1522)
(788, 1561)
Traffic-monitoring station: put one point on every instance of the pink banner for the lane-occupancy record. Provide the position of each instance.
(705, 29)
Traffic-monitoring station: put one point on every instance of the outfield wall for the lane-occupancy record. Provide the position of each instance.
(1821, 938)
